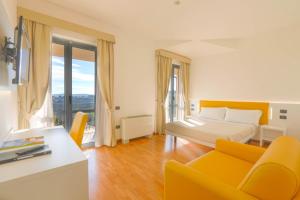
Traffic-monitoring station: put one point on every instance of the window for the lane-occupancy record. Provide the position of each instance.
(58, 85)
(174, 101)
(73, 83)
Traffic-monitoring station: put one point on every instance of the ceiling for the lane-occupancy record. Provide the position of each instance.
(194, 27)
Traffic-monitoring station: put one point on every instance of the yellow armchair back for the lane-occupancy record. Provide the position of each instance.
(276, 175)
(78, 126)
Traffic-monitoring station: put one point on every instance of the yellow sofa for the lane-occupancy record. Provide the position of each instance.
(235, 171)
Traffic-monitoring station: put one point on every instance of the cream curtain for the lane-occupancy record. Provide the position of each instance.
(184, 73)
(31, 96)
(164, 69)
(44, 116)
(105, 124)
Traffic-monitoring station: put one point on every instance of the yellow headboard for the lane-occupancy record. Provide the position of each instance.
(263, 106)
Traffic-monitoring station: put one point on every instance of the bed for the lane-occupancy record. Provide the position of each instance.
(206, 131)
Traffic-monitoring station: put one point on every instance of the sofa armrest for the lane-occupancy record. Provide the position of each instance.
(183, 182)
(246, 152)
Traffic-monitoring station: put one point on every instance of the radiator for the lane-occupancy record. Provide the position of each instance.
(136, 126)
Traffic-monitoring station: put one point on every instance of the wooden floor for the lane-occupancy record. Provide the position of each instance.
(135, 170)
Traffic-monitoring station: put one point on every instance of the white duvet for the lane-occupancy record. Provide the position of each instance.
(207, 130)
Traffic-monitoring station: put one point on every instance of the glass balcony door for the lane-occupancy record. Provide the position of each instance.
(73, 83)
(173, 97)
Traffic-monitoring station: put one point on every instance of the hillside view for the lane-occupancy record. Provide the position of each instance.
(80, 102)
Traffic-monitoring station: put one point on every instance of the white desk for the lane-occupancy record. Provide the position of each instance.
(61, 175)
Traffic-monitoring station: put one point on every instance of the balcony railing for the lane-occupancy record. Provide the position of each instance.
(89, 131)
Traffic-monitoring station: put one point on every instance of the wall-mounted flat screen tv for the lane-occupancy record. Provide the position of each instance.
(23, 49)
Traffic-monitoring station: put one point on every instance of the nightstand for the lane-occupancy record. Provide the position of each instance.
(263, 136)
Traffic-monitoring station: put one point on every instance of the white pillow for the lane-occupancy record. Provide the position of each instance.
(213, 113)
(243, 116)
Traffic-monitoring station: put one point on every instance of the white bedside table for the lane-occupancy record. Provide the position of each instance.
(263, 137)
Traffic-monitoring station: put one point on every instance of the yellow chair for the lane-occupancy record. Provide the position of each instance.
(235, 171)
(78, 126)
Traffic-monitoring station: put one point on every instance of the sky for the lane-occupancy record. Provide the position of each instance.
(83, 76)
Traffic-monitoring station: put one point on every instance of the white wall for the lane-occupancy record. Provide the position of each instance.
(10, 9)
(293, 116)
(134, 60)
(265, 67)
(8, 94)
(134, 76)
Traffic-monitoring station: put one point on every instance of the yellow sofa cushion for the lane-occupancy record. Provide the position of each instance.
(297, 197)
(276, 175)
(245, 152)
(185, 183)
(223, 167)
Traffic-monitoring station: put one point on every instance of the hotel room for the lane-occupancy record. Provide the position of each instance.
(134, 100)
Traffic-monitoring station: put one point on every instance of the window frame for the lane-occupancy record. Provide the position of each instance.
(68, 45)
(173, 97)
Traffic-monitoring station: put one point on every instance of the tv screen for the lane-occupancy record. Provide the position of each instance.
(23, 49)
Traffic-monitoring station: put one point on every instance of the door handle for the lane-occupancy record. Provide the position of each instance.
(70, 99)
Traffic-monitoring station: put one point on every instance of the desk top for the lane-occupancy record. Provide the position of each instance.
(64, 152)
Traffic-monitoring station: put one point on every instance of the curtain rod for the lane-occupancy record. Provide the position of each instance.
(173, 55)
(55, 22)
